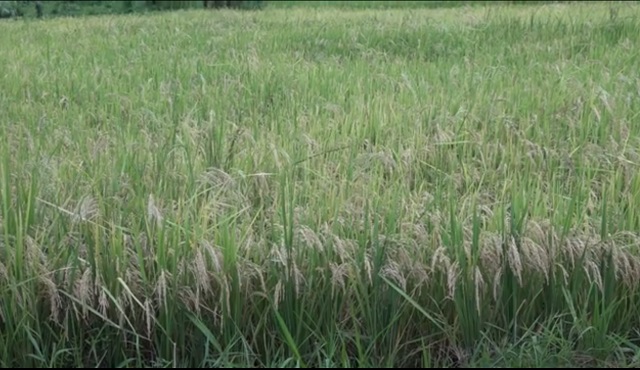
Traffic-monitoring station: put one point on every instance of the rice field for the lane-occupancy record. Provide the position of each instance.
(322, 187)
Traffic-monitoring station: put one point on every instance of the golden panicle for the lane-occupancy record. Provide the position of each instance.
(496, 283)
(339, 274)
(84, 291)
(515, 261)
(536, 257)
(392, 270)
(453, 272)
(593, 274)
(153, 212)
(479, 285)
(161, 289)
(277, 294)
(87, 210)
(55, 303)
(148, 310)
(103, 301)
(200, 271)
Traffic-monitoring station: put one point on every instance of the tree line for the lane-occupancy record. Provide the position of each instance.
(11, 9)
(205, 3)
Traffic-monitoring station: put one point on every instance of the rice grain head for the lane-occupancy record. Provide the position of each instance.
(55, 303)
(103, 301)
(535, 229)
(200, 271)
(86, 211)
(161, 289)
(277, 294)
(515, 262)
(298, 278)
(440, 259)
(625, 266)
(153, 212)
(148, 310)
(496, 283)
(491, 252)
(84, 290)
(592, 271)
(368, 267)
(565, 274)
(226, 294)
(575, 248)
(35, 255)
(279, 255)
(191, 299)
(342, 247)
(536, 257)
(133, 279)
(392, 270)
(338, 276)
(453, 272)
(3, 273)
(420, 272)
(214, 254)
(479, 285)
(309, 237)
(634, 275)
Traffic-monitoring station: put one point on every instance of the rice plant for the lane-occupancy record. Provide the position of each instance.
(295, 187)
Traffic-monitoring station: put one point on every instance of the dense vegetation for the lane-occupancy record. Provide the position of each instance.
(81, 8)
(432, 187)
(50, 9)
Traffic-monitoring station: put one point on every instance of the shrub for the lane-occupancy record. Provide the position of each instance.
(8, 9)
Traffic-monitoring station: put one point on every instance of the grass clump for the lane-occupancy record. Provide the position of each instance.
(293, 188)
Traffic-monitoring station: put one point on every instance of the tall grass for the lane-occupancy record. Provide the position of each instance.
(293, 188)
